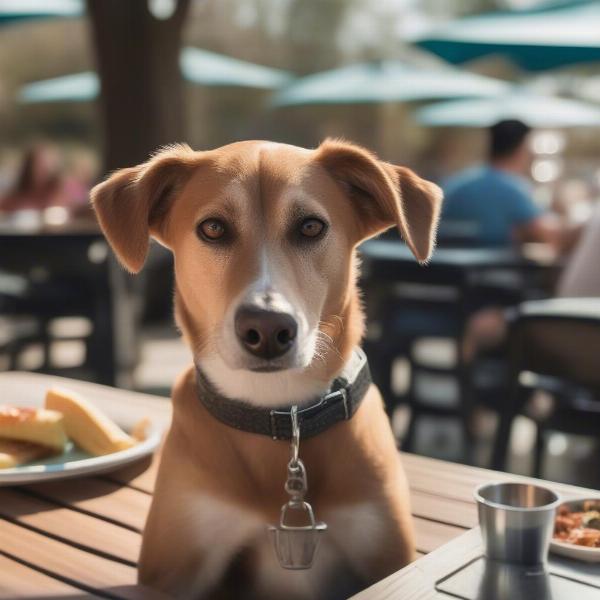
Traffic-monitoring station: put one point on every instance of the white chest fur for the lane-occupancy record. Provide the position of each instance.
(262, 389)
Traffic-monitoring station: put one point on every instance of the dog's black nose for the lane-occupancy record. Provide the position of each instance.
(265, 333)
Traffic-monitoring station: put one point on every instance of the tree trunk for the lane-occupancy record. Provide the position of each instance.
(137, 58)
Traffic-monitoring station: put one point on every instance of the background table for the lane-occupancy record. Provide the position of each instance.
(81, 537)
(408, 304)
(75, 274)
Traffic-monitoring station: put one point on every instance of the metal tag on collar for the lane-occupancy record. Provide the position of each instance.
(296, 545)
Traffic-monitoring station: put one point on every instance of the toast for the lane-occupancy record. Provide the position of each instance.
(14, 453)
(35, 425)
(85, 424)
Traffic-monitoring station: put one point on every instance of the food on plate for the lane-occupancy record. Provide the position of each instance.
(579, 527)
(35, 425)
(589, 505)
(86, 425)
(14, 453)
(28, 434)
(140, 430)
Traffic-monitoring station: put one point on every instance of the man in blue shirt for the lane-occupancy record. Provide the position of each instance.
(492, 205)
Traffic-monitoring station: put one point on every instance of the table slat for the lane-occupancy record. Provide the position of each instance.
(70, 526)
(431, 535)
(21, 581)
(73, 565)
(388, 589)
(444, 510)
(99, 497)
(453, 480)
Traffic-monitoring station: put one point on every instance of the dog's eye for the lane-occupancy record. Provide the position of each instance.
(211, 230)
(312, 228)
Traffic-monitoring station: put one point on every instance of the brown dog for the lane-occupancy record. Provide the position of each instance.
(264, 238)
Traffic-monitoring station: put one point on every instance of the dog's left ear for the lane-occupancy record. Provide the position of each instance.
(131, 204)
(385, 195)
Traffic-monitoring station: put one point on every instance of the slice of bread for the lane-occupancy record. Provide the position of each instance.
(35, 425)
(14, 453)
(86, 425)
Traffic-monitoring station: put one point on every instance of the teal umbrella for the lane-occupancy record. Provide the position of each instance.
(553, 35)
(208, 68)
(12, 11)
(535, 110)
(197, 66)
(80, 87)
(386, 81)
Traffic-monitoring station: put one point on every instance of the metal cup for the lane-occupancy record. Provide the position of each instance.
(516, 520)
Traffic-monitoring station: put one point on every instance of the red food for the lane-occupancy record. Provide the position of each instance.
(585, 537)
(569, 526)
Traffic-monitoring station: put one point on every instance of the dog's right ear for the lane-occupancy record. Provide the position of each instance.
(131, 203)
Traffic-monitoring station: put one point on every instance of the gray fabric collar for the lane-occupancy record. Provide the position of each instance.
(338, 404)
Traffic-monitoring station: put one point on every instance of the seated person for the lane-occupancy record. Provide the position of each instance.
(41, 184)
(492, 205)
(581, 275)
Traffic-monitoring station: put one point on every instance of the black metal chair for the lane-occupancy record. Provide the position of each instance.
(407, 316)
(15, 335)
(407, 302)
(71, 275)
(554, 346)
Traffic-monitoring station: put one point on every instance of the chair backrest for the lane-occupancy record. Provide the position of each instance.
(558, 338)
(458, 234)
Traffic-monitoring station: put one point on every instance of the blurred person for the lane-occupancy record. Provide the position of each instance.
(41, 183)
(493, 203)
(79, 180)
(581, 275)
(579, 278)
(572, 200)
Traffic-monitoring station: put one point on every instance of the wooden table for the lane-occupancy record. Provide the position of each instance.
(81, 537)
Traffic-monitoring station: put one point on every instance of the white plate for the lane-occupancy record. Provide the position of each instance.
(75, 462)
(572, 550)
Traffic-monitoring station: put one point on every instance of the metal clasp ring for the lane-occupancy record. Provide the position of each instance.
(295, 441)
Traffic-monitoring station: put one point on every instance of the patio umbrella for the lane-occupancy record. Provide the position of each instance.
(209, 68)
(535, 110)
(553, 35)
(197, 66)
(12, 11)
(386, 81)
(79, 87)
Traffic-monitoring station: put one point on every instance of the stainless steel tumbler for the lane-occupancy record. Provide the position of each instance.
(517, 521)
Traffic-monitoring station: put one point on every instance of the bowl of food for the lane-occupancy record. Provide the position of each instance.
(577, 530)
